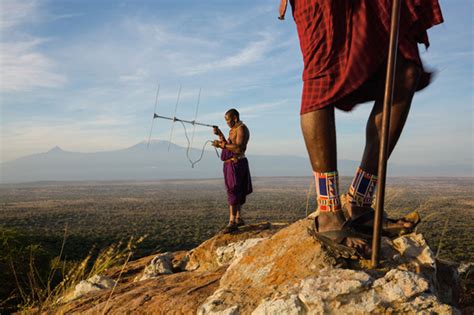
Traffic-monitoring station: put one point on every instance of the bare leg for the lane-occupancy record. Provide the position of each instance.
(237, 212)
(319, 131)
(232, 226)
(406, 81)
(232, 213)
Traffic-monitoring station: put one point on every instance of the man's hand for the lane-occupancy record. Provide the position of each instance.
(217, 131)
(219, 144)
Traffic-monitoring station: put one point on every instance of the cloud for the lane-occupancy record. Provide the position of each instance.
(257, 110)
(14, 13)
(249, 54)
(65, 16)
(23, 66)
(249, 111)
(167, 48)
(139, 75)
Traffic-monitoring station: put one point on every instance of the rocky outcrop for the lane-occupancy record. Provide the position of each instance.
(181, 292)
(220, 250)
(275, 269)
(93, 284)
(291, 274)
(270, 267)
(160, 265)
(340, 291)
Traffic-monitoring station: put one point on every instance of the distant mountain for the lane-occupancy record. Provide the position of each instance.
(140, 162)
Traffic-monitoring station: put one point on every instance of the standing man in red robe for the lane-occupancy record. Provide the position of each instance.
(345, 47)
(237, 178)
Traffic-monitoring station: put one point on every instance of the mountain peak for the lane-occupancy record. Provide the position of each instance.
(154, 143)
(55, 149)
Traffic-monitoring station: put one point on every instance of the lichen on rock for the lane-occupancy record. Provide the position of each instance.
(93, 284)
(233, 251)
(160, 265)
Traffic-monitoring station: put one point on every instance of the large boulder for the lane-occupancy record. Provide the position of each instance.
(220, 249)
(290, 273)
(277, 269)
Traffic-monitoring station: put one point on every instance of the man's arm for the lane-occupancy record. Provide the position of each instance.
(222, 141)
(219, 133)
(240, 144)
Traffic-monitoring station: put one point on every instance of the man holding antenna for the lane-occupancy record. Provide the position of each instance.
(236, 167)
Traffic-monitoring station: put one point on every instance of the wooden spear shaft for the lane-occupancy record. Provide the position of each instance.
(383, 153)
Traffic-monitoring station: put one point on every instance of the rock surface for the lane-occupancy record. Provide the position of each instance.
(160, 265)
(210, 254)
(93, 284)
(274, 269)
(227, 254)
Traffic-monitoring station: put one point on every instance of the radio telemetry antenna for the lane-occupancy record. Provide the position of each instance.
(183, 122)
(153, 119)
(175, 111)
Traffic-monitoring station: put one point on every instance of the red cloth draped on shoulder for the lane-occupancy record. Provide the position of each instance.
(345, 43)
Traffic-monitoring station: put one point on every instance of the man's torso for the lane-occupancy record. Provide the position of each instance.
(233, 134)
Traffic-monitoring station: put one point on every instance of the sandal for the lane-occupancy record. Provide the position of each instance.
(364, 224)
(333, 241)
(240, 222)
(230, 228)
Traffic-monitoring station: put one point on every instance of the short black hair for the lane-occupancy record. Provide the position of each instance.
(233, 112)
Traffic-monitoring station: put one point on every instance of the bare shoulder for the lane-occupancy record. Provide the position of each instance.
(245, 129)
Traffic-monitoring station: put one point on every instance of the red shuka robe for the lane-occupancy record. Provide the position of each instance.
(345, 44)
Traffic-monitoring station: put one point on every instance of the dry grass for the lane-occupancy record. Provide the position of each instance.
(35, 292)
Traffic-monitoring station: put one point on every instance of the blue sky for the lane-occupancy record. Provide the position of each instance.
(83, 75)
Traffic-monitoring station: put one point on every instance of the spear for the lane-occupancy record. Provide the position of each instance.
(383, 154)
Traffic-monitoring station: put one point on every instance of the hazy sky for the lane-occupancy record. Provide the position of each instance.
(83, 75)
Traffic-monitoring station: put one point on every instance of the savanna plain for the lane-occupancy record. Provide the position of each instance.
(76, 219)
